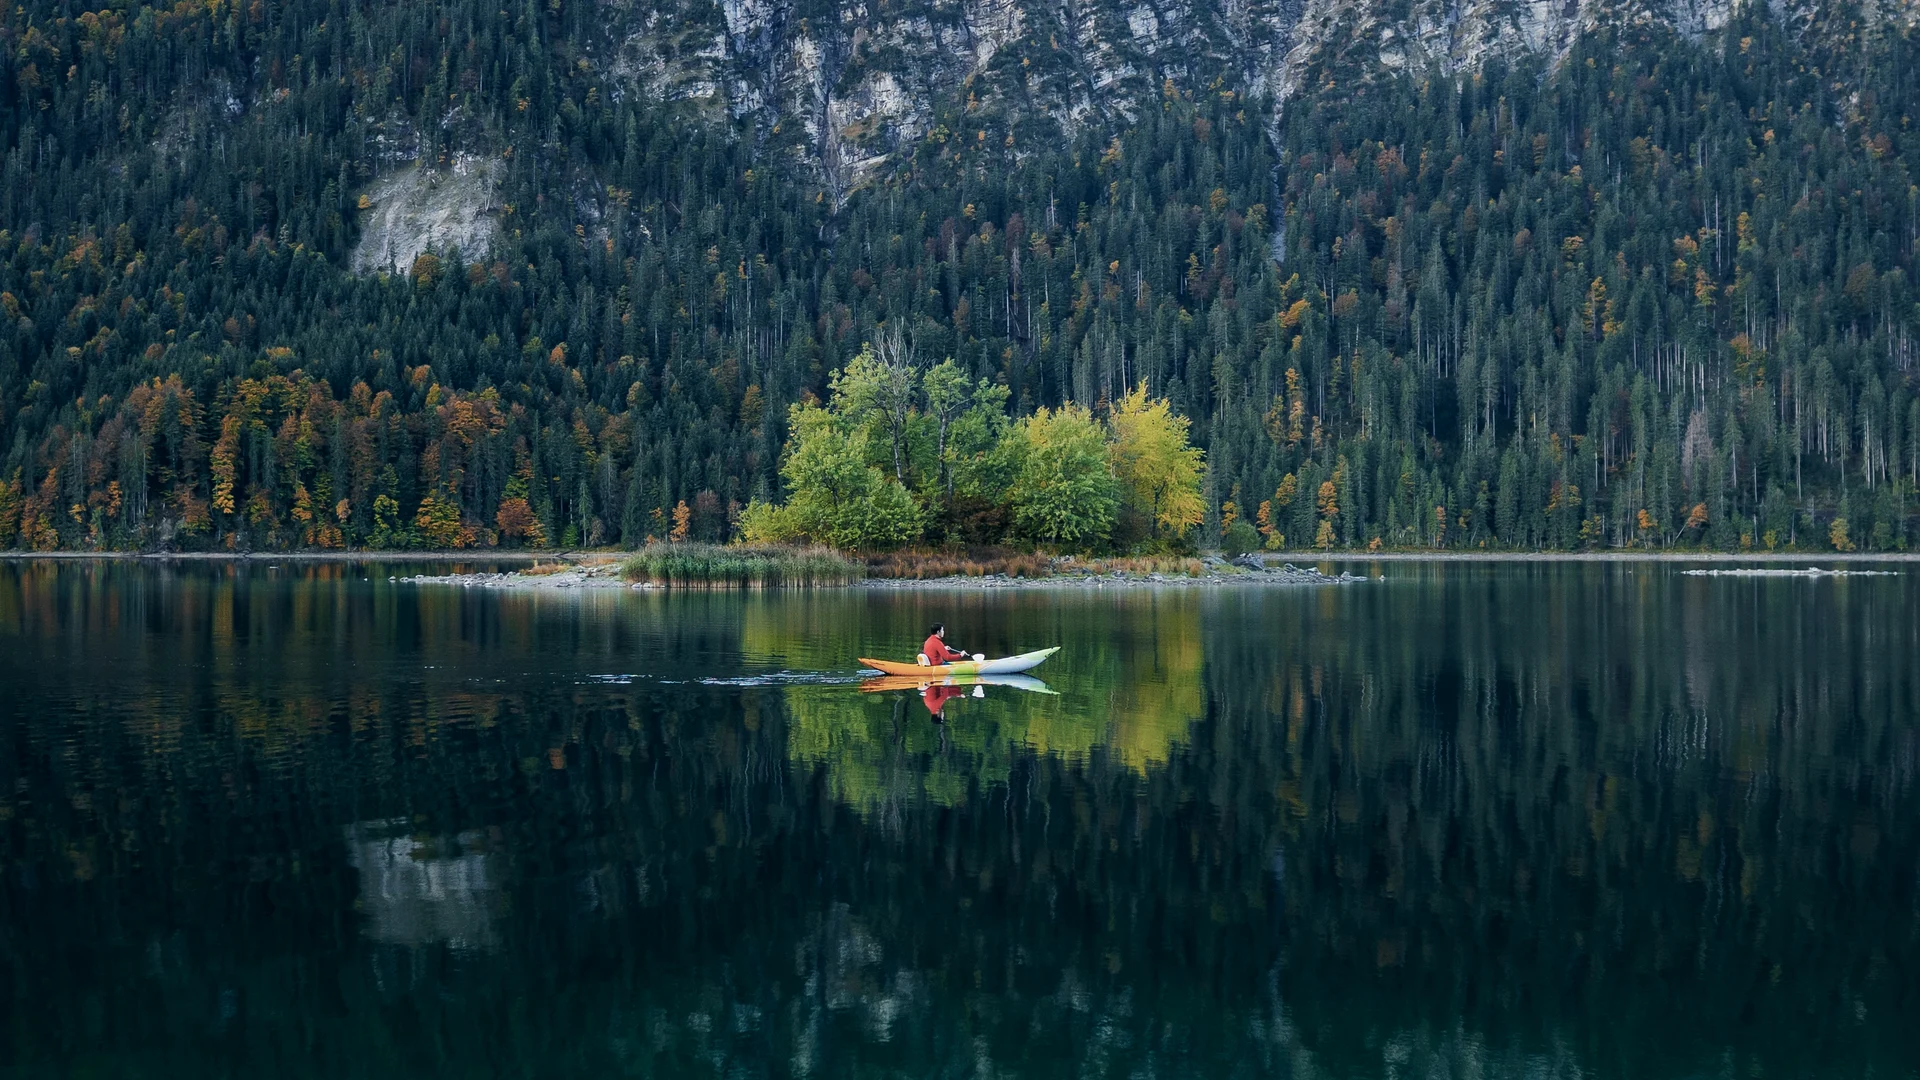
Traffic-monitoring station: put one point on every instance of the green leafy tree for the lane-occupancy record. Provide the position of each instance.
(837, 496)
(983, 458)
(948, 391)
(387, 530)
(878, 386)
(1239, 538)
(1064, 491)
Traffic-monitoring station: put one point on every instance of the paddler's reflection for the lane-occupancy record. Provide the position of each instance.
(936, 695)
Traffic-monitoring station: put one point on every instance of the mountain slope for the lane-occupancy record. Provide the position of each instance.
(1416, 280)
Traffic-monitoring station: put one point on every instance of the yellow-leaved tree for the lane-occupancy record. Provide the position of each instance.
(1157, 469)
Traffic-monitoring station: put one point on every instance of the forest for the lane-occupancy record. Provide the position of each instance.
(1654, 295)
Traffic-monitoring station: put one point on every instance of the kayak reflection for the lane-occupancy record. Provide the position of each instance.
(936, 692)
(1129, 675)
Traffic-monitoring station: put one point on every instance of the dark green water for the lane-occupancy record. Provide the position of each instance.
(1474, 821)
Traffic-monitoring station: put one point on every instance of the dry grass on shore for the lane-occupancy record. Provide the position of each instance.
(921, 564)
(1143, 565)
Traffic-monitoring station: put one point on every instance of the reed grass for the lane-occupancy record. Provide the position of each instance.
(741, 566)
(1166, 565)
(755, 566)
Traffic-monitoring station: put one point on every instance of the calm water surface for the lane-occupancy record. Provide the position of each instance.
(1470, 821)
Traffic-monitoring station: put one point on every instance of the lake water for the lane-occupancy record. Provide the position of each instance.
(1474, 820)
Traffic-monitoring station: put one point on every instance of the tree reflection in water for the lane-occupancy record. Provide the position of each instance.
(1477, 820)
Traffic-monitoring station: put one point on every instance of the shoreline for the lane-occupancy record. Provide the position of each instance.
(1596, 556)
(1274, 557)
(606, 575)
(601, 570)
(309, 556)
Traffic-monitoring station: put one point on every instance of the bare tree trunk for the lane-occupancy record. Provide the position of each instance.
(896, 356)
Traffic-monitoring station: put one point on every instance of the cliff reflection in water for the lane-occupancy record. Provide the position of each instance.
(424, 890)
(1476, 820)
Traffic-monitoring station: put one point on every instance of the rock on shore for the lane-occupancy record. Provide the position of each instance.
(576, 576)
(1246, 570)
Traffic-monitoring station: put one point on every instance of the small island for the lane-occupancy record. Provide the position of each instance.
(748, 566)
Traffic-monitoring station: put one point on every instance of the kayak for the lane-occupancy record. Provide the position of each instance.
(1005, 665)
(882, 683)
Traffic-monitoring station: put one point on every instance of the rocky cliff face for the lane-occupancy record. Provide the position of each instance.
(847, 85)
(1455, 35)
(854, 82)
(859, 80)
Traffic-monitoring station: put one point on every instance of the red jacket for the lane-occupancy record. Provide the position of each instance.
(937, 651)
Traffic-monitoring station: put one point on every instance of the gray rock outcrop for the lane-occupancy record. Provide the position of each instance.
(421, 207)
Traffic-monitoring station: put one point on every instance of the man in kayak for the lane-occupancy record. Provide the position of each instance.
(936, 651)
